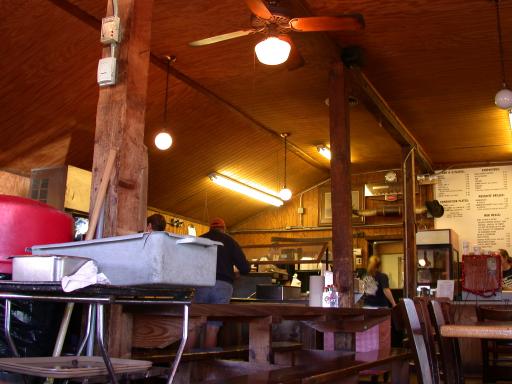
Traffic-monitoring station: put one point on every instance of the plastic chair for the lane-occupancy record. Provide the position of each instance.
(496, 354)
(425, 372)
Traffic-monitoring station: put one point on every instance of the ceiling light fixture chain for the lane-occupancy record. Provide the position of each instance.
(163, 139)
(503, 98)
(500, 42)
(285, 193)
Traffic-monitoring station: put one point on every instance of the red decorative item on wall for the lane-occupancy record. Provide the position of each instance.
(25, 222)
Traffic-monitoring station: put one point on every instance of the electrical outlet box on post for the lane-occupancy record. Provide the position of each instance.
(110, 30)
(107, 71)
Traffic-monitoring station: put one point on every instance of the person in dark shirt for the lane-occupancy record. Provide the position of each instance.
(376, 285)
(229, 255)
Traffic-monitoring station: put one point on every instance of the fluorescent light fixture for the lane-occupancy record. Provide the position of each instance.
(324, 151)
(245, 189)
(510, 118)
(272, 51)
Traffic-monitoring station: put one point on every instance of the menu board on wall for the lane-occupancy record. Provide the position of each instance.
(477, 205)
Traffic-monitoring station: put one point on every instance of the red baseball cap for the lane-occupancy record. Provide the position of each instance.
(217, 223)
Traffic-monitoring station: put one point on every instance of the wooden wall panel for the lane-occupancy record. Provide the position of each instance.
(15, 185)
(285, 222)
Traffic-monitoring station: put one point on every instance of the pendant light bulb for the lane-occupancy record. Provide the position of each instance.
(503, 98)
(163, 140)
(285, 194)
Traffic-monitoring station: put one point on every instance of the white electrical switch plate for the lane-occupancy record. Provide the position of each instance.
(110, 30)
(107, 71)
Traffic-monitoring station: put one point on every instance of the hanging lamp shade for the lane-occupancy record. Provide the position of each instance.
(272, 51)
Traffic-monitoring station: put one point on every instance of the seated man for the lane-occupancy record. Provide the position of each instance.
(156, 222)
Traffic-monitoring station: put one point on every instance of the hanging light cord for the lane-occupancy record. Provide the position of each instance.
(285, 137)
(167, 88)
(500, 41)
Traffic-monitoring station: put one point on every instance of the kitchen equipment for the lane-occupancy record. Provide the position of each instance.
(277, 292)
(45, 268)
(25, 222)
(146, 258)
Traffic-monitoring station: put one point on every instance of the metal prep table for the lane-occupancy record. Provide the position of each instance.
(97, 296)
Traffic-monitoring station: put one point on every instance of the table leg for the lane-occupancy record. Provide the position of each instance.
(7, 328)
(99, 335)
(184, 337)
(87, 330)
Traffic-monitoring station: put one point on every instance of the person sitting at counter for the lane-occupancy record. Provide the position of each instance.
(156, 222)
(229, 255)
(376, 285)
(506, 268)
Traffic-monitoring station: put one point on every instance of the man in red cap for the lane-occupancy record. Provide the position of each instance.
(229, 255)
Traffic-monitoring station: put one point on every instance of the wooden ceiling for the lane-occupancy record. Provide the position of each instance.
(436, 63)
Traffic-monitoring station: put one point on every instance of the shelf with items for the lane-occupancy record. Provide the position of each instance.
(438, 258)
(302, 253)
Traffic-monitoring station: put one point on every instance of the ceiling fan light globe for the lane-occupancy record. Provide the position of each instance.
(163, 141)
(503, 98)
(285, 194)
(272, 51)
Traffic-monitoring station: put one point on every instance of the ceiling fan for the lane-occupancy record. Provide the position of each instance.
(274, 22)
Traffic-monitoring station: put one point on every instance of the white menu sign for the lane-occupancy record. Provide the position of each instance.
(477, 205)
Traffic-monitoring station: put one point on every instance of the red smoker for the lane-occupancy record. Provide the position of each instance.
(25, 222)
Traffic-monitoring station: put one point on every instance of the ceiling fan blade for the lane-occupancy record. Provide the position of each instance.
(225, 36)
(350, 22)
(259, 8)
(295, 60)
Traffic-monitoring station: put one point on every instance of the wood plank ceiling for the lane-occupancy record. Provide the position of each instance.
(435, 62)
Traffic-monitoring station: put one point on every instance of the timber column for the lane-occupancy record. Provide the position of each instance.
(120, 122)
(341, 190)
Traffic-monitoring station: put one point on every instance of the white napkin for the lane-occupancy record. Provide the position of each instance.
(86, 275)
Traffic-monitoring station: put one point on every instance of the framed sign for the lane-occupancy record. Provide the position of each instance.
(325, 207)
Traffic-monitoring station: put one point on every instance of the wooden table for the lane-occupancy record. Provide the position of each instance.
(478, 331)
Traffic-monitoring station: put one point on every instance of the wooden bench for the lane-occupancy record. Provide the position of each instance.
(316, 367)
(233, 352)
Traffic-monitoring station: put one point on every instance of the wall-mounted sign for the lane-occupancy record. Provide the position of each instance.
(477, 205)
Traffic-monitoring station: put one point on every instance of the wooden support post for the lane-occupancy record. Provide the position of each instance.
(260, 339)
(341, 201)
(120, 125)
(120, 121)
(408, 165)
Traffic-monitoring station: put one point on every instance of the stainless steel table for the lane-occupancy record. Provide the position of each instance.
(97, 296)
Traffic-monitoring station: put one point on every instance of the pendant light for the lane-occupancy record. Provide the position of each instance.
(285, 193)
(503, 98)
(163, 139)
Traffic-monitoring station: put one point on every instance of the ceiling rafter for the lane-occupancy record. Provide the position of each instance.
(160, 62)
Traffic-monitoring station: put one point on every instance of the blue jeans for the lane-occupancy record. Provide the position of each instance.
(220, 293)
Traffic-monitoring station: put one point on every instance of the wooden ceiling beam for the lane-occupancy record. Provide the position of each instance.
(161, 62)
(375, 103)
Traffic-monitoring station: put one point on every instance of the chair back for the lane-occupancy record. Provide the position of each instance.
(450, 361)
(418, 344)
(496, 360)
